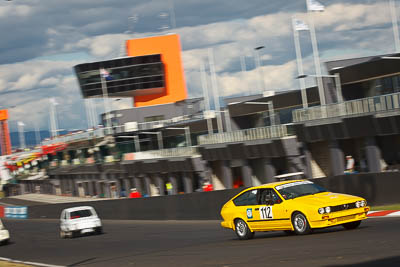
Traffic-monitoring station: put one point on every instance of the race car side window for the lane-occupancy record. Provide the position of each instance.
(269, 197)
(247, 198)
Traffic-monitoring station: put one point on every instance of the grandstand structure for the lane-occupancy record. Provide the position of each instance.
(168, 138)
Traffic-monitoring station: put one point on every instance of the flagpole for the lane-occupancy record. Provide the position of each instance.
(395, 26)
(316, 56)
(300, 65)
(243, 66)
(105, 100)
(206, 97)
(215, 89)
(88, 116)
(93, 112)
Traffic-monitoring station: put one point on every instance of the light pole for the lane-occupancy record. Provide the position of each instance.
(393, 14)
(21, 134)
(337, 84)
(270, 109)
(53, 117)
(187, 133)
(258, 65)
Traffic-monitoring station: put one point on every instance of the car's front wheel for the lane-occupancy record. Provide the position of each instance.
(352, 225)
(242, 230)
(300, 224)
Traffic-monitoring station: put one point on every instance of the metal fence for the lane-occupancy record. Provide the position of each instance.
(79, 136)
(167, 153)
(102, 132)
(269, 132)
(375, 104)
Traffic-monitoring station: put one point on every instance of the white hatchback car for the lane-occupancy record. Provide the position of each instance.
(4, 234)
(79, 220)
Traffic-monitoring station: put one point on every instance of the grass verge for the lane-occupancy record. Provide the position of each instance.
(386, 207)
(12, 264)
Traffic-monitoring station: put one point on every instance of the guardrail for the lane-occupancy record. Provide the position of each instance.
(190, 151)
(167, 153)
(390, 102)
(102, 132)
(74, 137)
(269, 132)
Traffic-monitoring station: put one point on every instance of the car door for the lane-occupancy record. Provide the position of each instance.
(270, 213)
(245, 206)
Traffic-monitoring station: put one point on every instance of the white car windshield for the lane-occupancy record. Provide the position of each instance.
(298, 189)
(81, 214)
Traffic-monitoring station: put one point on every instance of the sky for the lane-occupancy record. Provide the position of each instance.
(41, 41)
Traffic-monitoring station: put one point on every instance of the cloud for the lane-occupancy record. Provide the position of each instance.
(78, 31)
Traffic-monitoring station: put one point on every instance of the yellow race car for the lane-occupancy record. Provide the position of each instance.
(292, 206)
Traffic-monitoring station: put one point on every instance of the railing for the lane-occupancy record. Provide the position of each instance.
(150, 154)
(143, 126)
(166, 153)
(269, 132)
(375, 104)
(102, 132)
(97, 133)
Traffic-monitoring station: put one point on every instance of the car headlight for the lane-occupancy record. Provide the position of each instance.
(358, 204)
(321, 210)
(327, 209)
(363, 203)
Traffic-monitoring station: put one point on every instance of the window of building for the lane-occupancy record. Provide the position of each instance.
(154, 118)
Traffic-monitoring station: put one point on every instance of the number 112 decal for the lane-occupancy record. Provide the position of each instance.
(266, 212)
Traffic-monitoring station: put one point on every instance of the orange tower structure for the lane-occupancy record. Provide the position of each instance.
(170, 49)
(5, 143)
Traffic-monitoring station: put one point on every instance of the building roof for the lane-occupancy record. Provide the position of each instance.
(355, 70)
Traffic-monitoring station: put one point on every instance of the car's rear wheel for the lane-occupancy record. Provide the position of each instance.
(99, 230)
(62, 234)
(352, 225)
(242, 230)
(300, 224)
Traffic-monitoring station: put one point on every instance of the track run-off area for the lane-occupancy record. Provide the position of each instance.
(202, 243)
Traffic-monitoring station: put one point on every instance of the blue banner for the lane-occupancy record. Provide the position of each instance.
(16, 212)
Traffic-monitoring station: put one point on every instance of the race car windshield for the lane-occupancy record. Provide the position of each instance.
(299, 189)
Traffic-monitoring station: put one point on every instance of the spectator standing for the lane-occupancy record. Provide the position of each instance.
(169, 188)
(134, 193)
(349, 164)
(207, 187)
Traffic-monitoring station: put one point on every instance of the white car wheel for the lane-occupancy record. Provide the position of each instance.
(242, 230)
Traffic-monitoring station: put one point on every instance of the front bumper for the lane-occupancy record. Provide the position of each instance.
(4, 235)
(340, 217)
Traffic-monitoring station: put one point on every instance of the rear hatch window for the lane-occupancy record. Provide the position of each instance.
(81, 214)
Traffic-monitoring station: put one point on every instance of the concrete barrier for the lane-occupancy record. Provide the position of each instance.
(194, 206)
(377, 188)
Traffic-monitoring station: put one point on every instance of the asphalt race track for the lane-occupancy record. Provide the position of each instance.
(203, 243)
